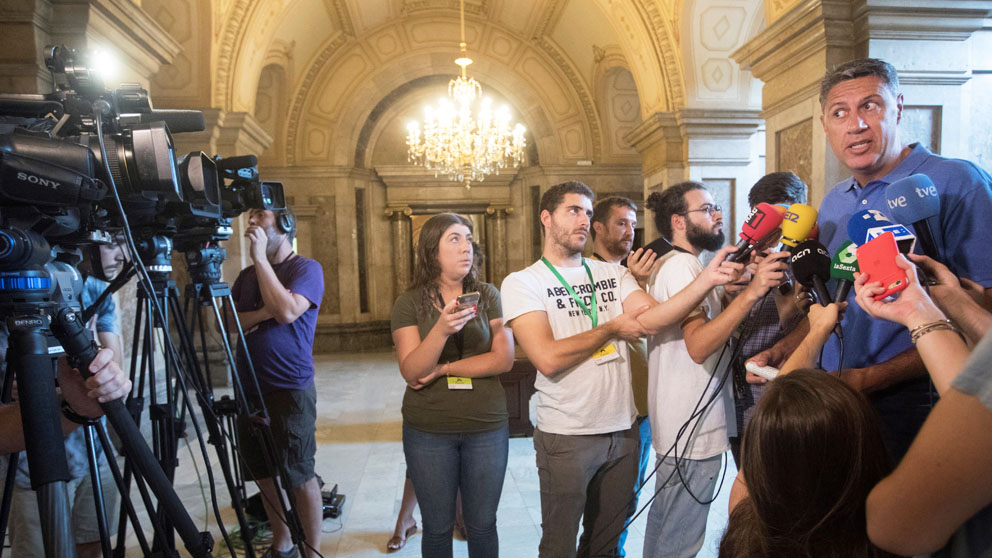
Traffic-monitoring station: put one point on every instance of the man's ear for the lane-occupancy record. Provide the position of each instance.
(598, 227)
(678, 222)
(899, 108)
(545, 218)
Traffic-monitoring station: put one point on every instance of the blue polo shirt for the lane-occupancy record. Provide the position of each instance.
(962, 234)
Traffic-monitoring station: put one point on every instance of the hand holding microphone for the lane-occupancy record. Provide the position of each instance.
(762, 222)
(811, 267)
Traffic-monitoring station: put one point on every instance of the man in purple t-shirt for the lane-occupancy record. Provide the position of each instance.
(277, 301)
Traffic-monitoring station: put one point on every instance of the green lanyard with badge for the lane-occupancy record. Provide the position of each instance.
(609, 351)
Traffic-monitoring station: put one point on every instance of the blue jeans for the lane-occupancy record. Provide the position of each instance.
(440, 464)
(644, 427)
(677, 522)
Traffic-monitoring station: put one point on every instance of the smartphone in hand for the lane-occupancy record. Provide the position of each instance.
(877, 259)
(466, 301)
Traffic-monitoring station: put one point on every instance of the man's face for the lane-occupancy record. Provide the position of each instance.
(617, 233)
(266, 220)
(704, 225)
(112, 259)
(861, 118)
(569, 224)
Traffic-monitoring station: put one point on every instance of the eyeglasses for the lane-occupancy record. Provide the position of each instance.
(710, 209)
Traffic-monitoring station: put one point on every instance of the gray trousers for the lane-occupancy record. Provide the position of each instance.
(677, 522)
(589, 477)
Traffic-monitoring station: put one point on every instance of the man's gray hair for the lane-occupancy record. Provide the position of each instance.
(857, 69)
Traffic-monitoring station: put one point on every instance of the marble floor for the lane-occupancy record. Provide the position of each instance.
(359, 448)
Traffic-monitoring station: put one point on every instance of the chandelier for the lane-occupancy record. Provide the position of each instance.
(455, 143)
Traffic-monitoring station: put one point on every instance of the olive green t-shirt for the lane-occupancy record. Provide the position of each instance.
(440, 410)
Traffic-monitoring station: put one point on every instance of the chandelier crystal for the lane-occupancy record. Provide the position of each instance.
(467, 148)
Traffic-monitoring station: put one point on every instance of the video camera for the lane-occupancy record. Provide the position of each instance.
(60, 152)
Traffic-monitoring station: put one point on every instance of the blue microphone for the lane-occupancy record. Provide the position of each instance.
(914, 200)
(868, 224)
(862, 221)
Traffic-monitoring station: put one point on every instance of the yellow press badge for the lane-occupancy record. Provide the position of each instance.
(457, 382)
(606, 354)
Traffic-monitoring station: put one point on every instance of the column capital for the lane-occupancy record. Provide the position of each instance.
(497, 209)
(398, 212)
(227, 134)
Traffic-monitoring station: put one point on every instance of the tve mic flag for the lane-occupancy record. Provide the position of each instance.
(914, 200)
(843, 266)
(811, 266)
(760, 223)
(872, 223)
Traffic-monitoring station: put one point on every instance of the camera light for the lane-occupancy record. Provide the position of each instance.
(105, 63)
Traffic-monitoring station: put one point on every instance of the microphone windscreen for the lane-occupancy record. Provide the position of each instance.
(178, 121)
(860, 222)
(912, 199)
(797, 223)
(845, 262)
(762, 220)
(810, 259)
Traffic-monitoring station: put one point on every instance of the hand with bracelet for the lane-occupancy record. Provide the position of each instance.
(939, 342)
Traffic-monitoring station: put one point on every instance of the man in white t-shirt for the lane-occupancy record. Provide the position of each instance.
(572, 316)
(682, 365)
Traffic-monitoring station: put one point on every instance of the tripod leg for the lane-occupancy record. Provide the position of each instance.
(41, 416)
(101, 511)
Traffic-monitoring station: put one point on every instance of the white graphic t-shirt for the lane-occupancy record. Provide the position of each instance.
(676, 382)
(588, 398)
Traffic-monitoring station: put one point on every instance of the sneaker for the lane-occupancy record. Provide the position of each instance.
(273, 553)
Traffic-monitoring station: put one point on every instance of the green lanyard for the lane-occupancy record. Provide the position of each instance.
(594, 314)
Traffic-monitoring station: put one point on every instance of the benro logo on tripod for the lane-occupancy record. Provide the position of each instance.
(25, 177)
(28, 322)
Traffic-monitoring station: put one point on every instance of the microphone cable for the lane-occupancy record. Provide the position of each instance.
(746, 327)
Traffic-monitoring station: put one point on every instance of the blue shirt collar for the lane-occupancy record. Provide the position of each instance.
(917, 156)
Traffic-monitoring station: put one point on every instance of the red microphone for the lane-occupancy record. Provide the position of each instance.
(760, 223)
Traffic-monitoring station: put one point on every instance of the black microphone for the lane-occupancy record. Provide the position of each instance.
(914, 200)
(811, 267)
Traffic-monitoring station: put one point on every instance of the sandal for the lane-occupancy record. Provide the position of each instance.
(397, 542)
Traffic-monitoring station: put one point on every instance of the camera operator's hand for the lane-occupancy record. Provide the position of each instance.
(107, 383)
(256, 235)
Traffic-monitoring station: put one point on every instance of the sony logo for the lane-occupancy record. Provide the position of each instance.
(25, 177)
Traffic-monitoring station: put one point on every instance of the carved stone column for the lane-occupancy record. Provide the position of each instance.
(402, 233)
(716, 147)
(496, 251)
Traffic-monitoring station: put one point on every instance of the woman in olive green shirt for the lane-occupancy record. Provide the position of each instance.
(454, 411)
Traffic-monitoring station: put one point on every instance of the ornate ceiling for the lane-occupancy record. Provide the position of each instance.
(579, 73)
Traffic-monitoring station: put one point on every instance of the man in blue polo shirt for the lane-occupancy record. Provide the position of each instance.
(862, 107)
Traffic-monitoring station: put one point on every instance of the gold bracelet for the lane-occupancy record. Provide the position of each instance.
(921, 330)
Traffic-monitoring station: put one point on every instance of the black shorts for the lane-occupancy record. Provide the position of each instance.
(293, 415)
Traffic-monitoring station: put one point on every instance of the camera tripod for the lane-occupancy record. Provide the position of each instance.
(32, 302)
(168, 415)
